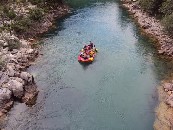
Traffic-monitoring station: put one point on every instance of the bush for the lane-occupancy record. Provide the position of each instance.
(13, 44)
(147, 4)
(151, 6)
(36, 14)
(167, 7)
(21, 25)
(11, 14)
(168, 23)
(35, 2)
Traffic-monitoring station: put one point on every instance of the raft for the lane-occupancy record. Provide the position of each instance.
(88, 60)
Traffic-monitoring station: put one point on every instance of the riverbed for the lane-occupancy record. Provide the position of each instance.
(116, 92)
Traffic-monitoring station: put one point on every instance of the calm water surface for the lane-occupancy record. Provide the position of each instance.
(116, 92)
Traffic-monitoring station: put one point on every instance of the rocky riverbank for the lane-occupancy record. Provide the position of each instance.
(164, 111)
(15, 82)
(16, 55)
(152, 27)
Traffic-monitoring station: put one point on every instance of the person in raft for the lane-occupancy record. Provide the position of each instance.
(85, 47)
(91, 45)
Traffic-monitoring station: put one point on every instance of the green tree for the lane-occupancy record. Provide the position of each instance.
(36, 14)
(151, 6)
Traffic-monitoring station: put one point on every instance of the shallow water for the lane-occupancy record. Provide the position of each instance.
(116, 92)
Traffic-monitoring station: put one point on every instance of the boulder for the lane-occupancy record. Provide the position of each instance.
(31, 88)
(169, 100)
(30, 98)
(24, 43)
(16, 87)
(5, 95)
(161, 51)
(4, 79)
(169, 93)
(30, 51)
(13, 42)
(3, 43)
(22, 59)
(18, 79)
(168, 86)
(11, 72)
(12, 37)
(14, 51)
(1, 73)
(28, 78)
(146, 26)
(135, 7)
(10, 69)
(8, 105)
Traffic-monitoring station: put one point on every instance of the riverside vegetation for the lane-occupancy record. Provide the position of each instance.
(21, 21)
(155, 19)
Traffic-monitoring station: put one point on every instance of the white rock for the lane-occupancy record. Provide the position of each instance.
(4, 79)
(27, 77)
(18, 79)
(168, 86)
(24, 43)
(2, 42)
(5, 95)
(16, 87)
(11, 72)
(30, 51)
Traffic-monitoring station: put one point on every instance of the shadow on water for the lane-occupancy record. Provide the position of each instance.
(86, 65)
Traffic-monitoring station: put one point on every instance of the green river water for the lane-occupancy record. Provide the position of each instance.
(116, 92)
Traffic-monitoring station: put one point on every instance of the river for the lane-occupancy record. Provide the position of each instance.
(116, 92)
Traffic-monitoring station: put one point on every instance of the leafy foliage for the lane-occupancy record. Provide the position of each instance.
(14, 45)
(54, 1)
(152, 6)
(161, 8)
(35, 2)
(36, 14)
(147, 4)
(21, 25)
(21, 22)
(11, 14)
(168, 23)
(167, 7)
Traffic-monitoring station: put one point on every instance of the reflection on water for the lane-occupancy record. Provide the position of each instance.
(116, 92)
